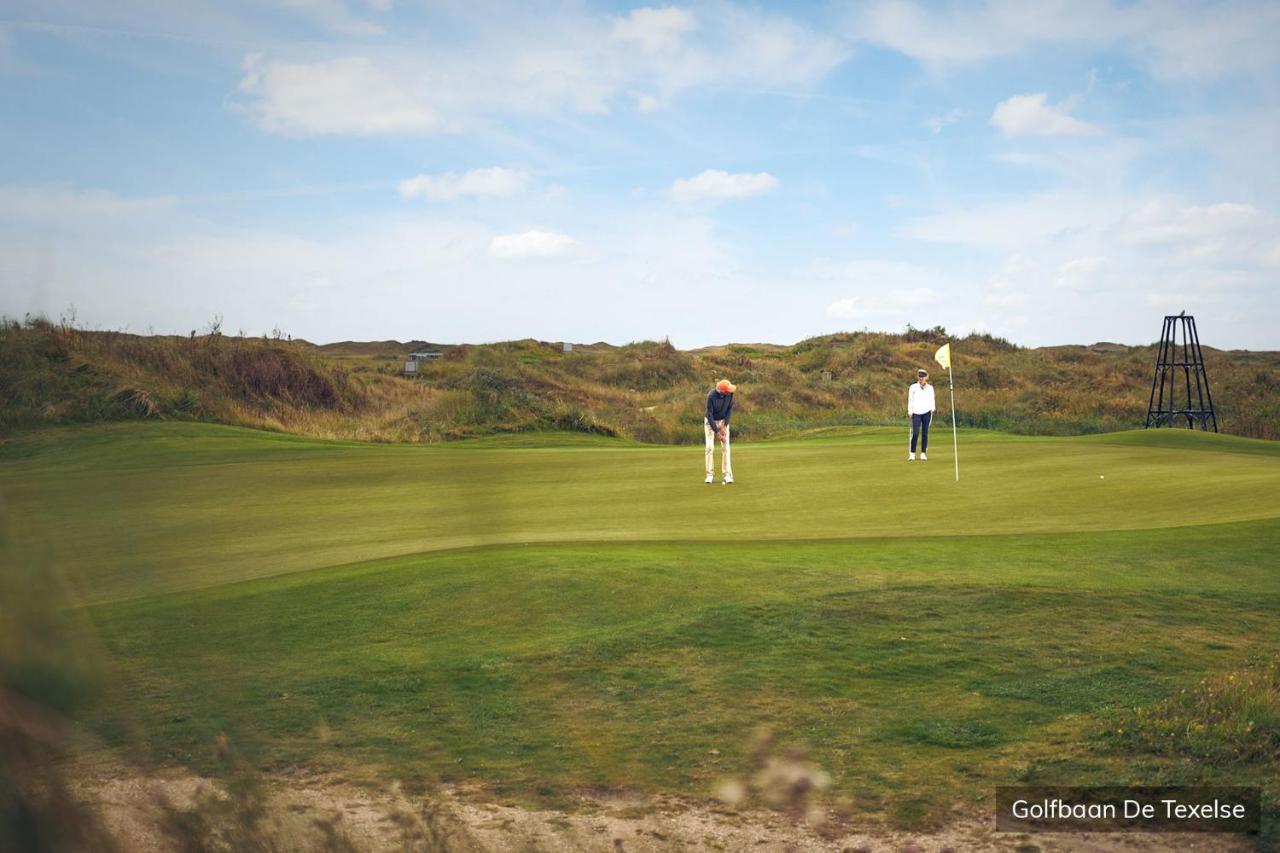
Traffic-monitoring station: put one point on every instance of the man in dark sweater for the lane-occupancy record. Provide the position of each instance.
(716, 425)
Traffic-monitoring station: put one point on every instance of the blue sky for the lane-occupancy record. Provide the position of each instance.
(1053, 172)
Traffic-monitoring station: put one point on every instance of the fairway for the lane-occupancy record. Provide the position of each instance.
(546, 615)
(136, 510)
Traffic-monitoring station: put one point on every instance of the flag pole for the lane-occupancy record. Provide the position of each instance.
(955, 446)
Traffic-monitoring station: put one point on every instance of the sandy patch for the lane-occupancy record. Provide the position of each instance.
(309, 812)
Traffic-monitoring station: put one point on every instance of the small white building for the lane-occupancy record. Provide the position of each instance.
(411, 363)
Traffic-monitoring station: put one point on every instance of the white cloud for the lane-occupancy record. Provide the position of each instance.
(938, 122)
(875, 306)
(1083, 228)
(143, 261)
(348, 95)
(1205, 40)
(1173, 40)
(123, 271)
(1063, 244)
(654, 29)
(1059, 217)
(647, 103)
(925, 34)
(531, 62)
(1084, 273)
(1010, 286)
(715, 183)
(1030, 115)
(885, 292)
(1162, 222)
(753, 47)
(531, 244)
(1227, 233)
(493, 181)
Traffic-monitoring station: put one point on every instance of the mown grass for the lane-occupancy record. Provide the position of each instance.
(913, 669)
(142, 508)
(551, 620)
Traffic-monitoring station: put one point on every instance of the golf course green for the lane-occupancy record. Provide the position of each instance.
(547, 614)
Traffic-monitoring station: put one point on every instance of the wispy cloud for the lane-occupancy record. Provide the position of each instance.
(349, 95)
(718, 184)
(531, 244)
(568, 61)
(1030, 115)
(880, 291)
(1173, 40)
(495, 181)
(938, 122)
(654, 29)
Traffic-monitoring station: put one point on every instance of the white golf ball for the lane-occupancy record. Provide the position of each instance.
(1101, 477)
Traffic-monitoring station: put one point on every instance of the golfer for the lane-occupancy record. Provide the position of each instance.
(920, 407)
(716, 425)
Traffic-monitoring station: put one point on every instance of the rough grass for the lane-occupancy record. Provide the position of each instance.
(1224, 719)
(56, 374)
(646, 391)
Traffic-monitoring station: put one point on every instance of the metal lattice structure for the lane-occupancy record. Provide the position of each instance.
(1180, 388)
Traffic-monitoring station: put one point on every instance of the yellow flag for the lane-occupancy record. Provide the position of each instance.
(943, 356)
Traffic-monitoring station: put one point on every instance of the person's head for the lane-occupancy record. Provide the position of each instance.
(923, 376)
(724, 386)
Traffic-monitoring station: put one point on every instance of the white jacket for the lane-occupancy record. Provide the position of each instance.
(920, 400)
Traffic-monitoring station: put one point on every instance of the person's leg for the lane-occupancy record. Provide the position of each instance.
(711, 447)
(924, 431)
(915, 431)
(726, 464)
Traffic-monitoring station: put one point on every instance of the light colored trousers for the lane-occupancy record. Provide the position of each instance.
(725, 464)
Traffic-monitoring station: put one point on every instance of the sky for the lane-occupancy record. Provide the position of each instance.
(1064, 171)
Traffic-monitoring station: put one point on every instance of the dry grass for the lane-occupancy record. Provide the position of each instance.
(647, 391)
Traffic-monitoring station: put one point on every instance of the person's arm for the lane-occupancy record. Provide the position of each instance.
(911, 396)
(711, 415)
(728, 410)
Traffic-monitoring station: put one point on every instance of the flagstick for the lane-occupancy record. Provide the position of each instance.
(955, 447)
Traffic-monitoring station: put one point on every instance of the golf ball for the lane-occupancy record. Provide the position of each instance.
(1102, 477)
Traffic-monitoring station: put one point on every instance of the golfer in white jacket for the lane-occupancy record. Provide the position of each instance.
(920, 406)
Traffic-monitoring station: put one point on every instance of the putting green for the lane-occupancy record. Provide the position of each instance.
(138, 509)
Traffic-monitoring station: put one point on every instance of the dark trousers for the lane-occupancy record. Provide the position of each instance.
(920, 427)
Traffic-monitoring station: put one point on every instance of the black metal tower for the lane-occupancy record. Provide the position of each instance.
(1180, 388)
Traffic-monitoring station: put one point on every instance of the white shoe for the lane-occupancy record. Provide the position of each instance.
(710, 479)
(924, 457)
(911, 457)
(728, 481)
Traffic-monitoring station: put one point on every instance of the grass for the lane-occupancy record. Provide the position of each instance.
(645, 391)
(543, 620)
(140, 509)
